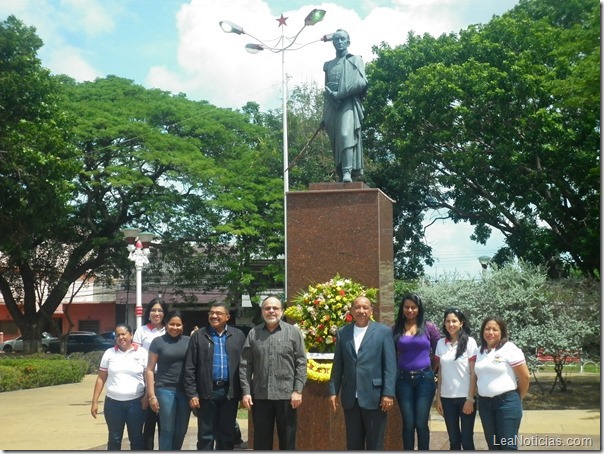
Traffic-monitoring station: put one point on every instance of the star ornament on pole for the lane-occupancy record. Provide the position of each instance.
(282, 20)
(284, 44)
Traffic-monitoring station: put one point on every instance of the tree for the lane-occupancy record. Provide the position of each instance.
(558, 316)
(192, 173)
(36, 175)
(499, 126)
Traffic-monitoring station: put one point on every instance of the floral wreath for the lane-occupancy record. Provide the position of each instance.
(319, 311)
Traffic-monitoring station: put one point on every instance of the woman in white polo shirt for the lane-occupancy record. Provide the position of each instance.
(456, 354)
(154, 327)
(502, 380)
(122, 369)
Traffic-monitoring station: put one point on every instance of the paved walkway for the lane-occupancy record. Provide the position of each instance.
(58, 418)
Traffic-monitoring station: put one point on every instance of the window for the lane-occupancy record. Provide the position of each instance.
(89, 325)
(8, 327)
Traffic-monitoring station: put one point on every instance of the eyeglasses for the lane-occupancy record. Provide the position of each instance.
(271, 308)
(218, 314)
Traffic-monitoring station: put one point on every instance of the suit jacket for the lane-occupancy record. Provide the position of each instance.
(367, 375)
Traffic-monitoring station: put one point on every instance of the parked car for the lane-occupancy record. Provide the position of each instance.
(16, 344)
(109, 335)
(81, 342)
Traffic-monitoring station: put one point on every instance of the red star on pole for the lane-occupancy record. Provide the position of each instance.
(281, 20)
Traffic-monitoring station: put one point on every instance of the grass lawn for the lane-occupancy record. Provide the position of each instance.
(583, 391)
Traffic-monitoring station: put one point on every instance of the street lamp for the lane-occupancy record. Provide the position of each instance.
(283, 44)
(484, 261)
(138, 248)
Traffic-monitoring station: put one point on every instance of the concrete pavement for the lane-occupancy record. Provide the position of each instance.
(58, 418)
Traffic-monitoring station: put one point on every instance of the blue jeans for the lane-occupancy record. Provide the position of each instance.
(460, 426)
(415, 393)
(174, 414)
(501, 416)
(216, 422)
(127, 413)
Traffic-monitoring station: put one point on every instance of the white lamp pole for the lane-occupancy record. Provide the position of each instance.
(315, 16)
(138, 248)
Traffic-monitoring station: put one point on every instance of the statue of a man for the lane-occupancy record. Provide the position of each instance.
(345, 85)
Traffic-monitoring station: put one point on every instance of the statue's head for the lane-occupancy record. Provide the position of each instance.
(341, 40)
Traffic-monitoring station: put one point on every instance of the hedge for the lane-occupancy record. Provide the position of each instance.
(26, 372)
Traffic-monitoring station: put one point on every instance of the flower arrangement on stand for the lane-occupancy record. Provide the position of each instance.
(319, 312)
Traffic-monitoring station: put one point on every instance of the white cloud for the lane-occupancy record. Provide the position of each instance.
(214, 65)
(69, 60)
(91, 17)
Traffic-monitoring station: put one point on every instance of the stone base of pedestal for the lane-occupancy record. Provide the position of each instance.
(321, 429)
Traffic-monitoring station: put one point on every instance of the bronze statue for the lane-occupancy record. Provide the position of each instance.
(345, 85)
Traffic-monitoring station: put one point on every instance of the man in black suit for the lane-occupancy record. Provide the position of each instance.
(364, 371)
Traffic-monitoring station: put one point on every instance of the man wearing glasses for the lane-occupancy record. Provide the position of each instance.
(273, 374)
(212, 379)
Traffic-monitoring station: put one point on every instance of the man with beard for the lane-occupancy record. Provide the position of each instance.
(273, 374)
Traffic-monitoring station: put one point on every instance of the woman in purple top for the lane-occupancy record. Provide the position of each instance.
(415, 341)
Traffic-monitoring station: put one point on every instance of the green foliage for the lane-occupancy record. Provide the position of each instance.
(92, 360)
(99, 156)
(499, 126)
(559, 316)
(28, 372)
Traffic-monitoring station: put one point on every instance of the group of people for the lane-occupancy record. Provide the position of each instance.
(158, 376)
(374, 364)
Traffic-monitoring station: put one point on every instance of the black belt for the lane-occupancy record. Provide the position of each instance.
(499, 396)
(416, 372)
(220, 383)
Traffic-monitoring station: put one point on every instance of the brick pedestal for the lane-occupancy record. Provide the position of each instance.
(345, 229)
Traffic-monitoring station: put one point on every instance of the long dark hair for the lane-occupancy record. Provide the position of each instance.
(399, 325)
(153, 302)
(503, 327)
(464, 332)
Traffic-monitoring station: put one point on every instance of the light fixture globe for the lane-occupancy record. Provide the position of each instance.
(253, 48)
(484, 261)
(315, 16)
(130, 234)
(230, 27)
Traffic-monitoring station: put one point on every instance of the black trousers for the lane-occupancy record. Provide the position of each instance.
(151, 420)
(268, 412)
(365, 429)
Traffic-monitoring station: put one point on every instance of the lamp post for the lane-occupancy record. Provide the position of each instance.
(283, 44)
(138, 248)
(484, 261)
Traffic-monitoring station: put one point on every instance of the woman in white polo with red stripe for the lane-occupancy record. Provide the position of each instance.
(122, 371)
(502, 380)
(154, 327)
(456, 355)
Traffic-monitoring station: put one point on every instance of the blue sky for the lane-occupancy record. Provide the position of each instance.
(178, 46)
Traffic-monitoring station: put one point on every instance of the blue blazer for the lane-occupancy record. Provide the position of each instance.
(367, 375)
